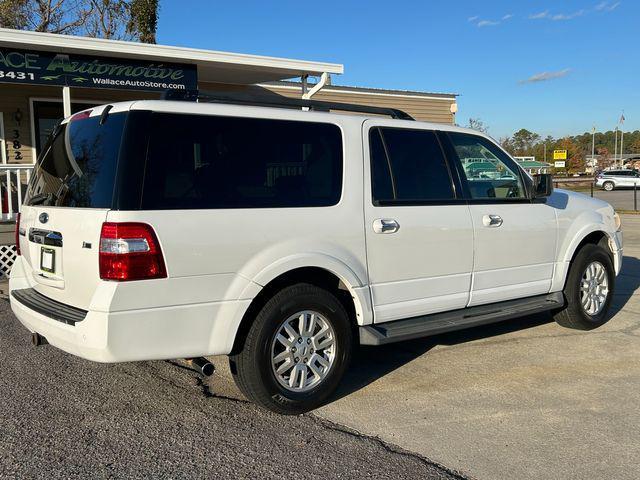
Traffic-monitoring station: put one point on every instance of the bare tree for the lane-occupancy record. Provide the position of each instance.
(108, 19)
(477, 124)
(56, 16)
(115, 19)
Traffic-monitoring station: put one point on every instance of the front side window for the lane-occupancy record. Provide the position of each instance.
(489, 172)
(197, 161)
(408, 166)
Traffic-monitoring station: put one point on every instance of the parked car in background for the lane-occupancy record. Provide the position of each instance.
(611, 179)
(282, 238)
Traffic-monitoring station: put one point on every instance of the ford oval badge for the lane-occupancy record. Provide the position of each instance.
(44, 217)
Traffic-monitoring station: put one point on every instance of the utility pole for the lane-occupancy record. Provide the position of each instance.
(622, 139)
(593, 147)
(615, 152)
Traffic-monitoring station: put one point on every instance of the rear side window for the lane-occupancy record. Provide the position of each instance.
(408, 166)
(201, 162)
(78, 164)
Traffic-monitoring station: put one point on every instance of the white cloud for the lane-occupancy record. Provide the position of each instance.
(567, 16)
(603, 6)
(487, 23)
(545, 76)
(540, 15)
(478, 22)
(606, 6)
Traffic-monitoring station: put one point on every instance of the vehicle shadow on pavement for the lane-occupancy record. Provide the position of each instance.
(627, 283)
(371, 363)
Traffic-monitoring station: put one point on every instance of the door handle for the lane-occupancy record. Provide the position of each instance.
(492, 220)
(385, 225)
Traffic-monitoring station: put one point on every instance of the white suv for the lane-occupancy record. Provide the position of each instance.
(612, 179)
(282, 238)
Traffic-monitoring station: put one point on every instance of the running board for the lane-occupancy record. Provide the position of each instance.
(434, 324)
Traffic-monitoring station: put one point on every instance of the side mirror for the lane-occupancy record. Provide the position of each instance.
(542, 185)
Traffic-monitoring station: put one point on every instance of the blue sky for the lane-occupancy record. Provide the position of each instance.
(549, 66)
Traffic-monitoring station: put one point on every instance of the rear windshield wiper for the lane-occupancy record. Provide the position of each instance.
(41, 198)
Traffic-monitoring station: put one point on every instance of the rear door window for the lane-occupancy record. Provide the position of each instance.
(202, 162)
(78, 164)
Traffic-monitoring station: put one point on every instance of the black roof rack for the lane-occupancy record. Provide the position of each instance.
(261, 97)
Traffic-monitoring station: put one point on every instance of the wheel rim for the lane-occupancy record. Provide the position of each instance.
(594, 288)
(303, 351)
(608, 186)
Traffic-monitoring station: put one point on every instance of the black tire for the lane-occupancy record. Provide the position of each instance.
(609, 186)
(574, 315)
(252, 367)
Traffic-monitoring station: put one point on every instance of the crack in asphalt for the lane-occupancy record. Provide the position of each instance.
(324, 424)
(335, 427)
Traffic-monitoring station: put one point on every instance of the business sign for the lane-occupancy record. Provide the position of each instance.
(559, 154)
(50, 68)
(559, 164)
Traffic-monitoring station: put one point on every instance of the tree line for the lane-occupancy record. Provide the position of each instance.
(113, 19)
(527, 143)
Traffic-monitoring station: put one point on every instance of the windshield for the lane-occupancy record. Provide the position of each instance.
(78, 164)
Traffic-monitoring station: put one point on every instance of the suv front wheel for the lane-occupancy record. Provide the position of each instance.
(588, 290)
(296, 350)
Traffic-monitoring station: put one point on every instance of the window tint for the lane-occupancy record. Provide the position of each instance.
(408, 165)
(489, 172)
(198, 161)
(78, 165)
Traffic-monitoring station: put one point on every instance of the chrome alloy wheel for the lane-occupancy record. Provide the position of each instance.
(303, 351)
(594, 288)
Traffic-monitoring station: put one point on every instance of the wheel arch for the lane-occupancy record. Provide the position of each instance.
(340, 281)
(595, 234)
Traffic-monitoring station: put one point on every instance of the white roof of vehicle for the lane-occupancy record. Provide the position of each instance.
(213, 66)
(212, 108)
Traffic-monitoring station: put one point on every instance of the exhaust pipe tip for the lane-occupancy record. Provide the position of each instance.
(202, 366)
(38, 340)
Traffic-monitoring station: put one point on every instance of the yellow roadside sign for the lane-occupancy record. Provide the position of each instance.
(559, 154)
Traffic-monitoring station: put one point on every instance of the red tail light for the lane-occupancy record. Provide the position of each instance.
(17, 234)
(130, 251)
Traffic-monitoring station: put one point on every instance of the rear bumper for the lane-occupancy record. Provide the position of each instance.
(143, 334)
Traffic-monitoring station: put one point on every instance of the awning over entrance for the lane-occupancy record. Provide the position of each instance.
(213, 66)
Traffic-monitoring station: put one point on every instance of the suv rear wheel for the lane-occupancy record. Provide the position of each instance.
(608, 186)
(296, 350)
(588, 290)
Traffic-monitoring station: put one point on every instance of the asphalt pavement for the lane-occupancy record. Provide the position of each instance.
(63, 417)
(619, 199)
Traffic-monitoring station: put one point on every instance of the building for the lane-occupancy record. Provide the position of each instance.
(596, 163)
(532, 166)
(45, 77)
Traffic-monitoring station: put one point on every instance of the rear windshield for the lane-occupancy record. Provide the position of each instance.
(78, 164)
(199, 162)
